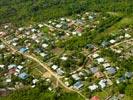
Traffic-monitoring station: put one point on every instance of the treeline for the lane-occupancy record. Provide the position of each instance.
(38, 94)
(28, 11)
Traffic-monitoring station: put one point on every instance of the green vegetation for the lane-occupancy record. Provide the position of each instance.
(26, 12)
(37, 93)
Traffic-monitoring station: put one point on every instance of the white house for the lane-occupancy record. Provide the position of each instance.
(100, 60)
(19, 67)
(105, 65)
(127, 35)
(54, 67)
(34, 81)
(44, 45)
(75, 77)
(2, 66)
(95, 55)
(93, 87)
(64, 58)
(43, 54)
(2, 46)
(112, 41)
(102, 83)
(58, 26)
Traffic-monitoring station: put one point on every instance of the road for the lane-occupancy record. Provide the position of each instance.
(44, 65)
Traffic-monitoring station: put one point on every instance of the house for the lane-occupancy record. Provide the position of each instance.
(64, 58)
(2, 34)
(105, 65)
(43, 54)
(75, 77)
(109, 82)
(23, 75)
(54, 67)
(44, 45)
(93, 87)
(127, 35)
(14, 44)
(40, 25)
(112, 41)
(98, 75)
(19, 67)
(104, 43)
(58, 26)
(90, 46)
(111, 70)
(79, 30)
(12, 70)
(95, 55)
(3, 92)
(102, 83)
(8, 80)
(100, 60)
(2, 66)
(121, 79)
(128, 74)
(114, 98)
(81, 74)
(67, 83)
(74, 33)
(6, 26)
(34, 81)
(2, 46)
(60, 71)
(91, 17)
(94, 69)
(21, 29)
(62, 19)
(33, 30)
(95, 98)
(50, 88)
(11, 66)
(78, 85)
(23, 50)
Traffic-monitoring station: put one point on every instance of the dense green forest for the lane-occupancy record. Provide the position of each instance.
(37, 93)
(27, 11)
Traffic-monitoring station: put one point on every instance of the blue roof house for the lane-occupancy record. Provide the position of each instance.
(23, 50)
(23, 75)
(111, 70)
(78, 85)
(128, 74)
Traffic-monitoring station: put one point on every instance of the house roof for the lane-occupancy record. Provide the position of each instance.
(23, 50)
(100, 60)
(75, 77)
(2, 46)
(95, 55)
(111, 70)
(78, 85)
(105, 65)
(93, 87)
(99, 74)
(95, 98)
(102, 83)
(112, 41)
(54, 67)
(64, 58)
(44, 45)
(23, 75)
(94, 69)
(128, 74)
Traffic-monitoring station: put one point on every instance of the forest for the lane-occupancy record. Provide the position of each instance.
(22, 12)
